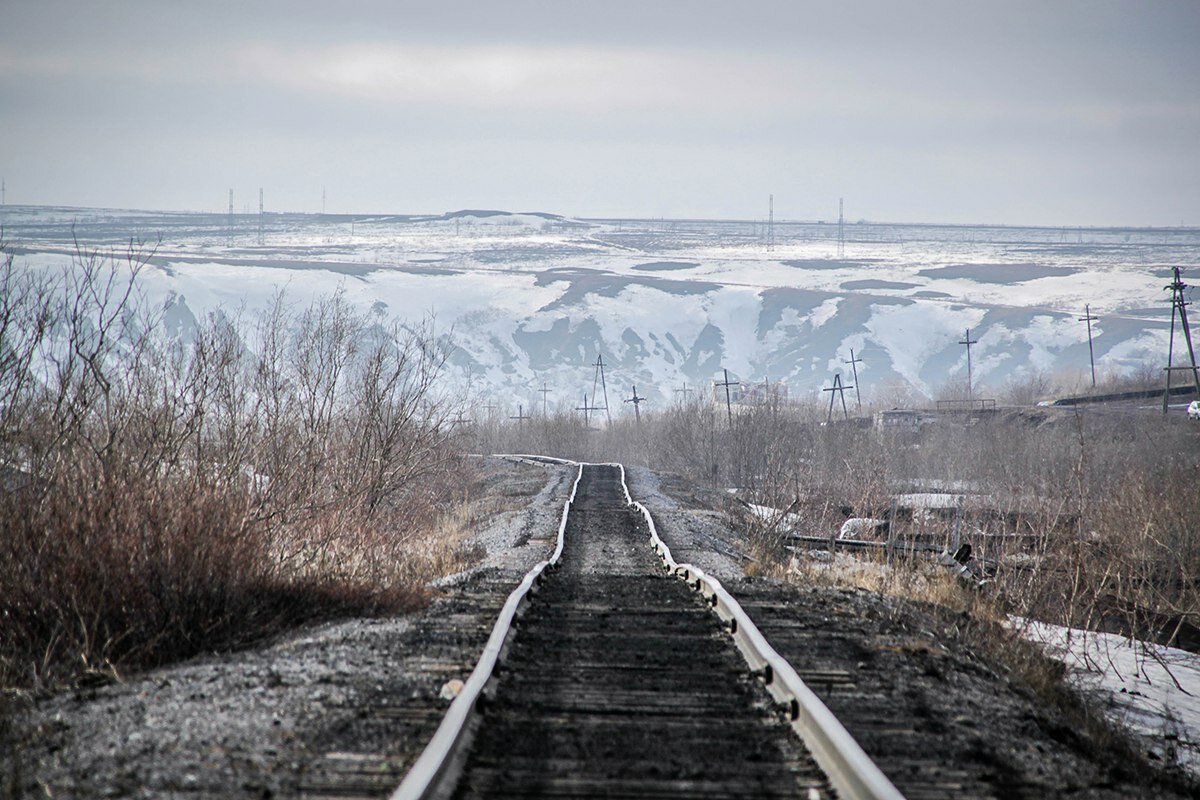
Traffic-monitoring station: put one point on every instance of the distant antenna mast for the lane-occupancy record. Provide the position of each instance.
(260, 216)
(230, 237)
(770, 222)
(841, 247)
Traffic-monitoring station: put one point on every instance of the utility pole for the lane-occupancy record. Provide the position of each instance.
(260, 216)
(841, 246)
(728, 403)
(840, 389)
(1089, 319)
(322, 201)
(968, 342)
(598, 376)
(3, 192)
(520, 417)
(854, 362)
(586, 409)
(1179, 308)
(544, 392)
(770, 222)
(637, 401)
(684, 391)
(230, 236)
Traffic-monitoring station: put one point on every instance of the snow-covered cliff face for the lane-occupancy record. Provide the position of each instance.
(534, 298)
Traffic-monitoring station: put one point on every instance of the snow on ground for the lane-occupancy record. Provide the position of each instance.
(1152, 689)
(901, 296)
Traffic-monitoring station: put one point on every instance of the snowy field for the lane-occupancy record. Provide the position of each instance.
(1154, 690)
(535, 297)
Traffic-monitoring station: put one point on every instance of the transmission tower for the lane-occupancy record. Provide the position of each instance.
(260, 216)
(1179, 306)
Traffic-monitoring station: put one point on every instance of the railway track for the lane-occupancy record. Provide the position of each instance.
(613, 671)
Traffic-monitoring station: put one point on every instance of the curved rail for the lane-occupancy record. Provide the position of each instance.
(850, 770)
(438, 760)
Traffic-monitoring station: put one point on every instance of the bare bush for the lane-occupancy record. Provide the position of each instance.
(163, 496)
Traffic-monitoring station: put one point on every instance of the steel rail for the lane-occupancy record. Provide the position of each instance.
(851, 771)
(440, 760)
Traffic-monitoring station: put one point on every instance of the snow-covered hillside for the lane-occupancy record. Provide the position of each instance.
(535, 297)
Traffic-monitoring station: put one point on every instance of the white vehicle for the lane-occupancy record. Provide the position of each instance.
(1194, 409)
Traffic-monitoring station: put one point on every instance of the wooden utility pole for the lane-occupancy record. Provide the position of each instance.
(520, 417)
(637, 401)
(968, 342)
(586, 409)
(598, 375)
(544, 392)
(684, 391)
(854, 362)
(1179, 306)
(840, 389)
(728, 402)
(1089, 319)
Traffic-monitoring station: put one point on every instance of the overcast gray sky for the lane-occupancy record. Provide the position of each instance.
(1057, 113)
